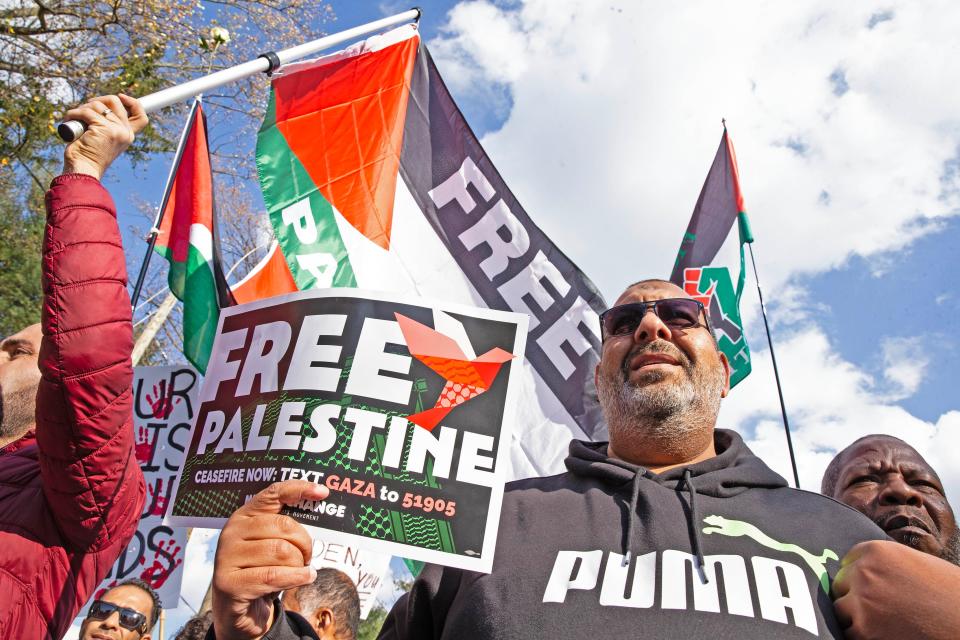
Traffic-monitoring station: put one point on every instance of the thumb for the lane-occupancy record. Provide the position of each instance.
(273, 498)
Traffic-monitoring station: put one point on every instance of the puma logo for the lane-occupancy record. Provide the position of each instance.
(734, 528)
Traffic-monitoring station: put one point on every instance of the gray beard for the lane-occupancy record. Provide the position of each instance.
(17, 412)
(667, 417)
(951, 551)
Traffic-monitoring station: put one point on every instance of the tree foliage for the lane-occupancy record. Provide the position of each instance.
(21, 234)
(369, 629)
(58, 53)
(55, 54)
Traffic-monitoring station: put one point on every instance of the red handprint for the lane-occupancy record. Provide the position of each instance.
(156, 498)
(162, 400)
(156, 574)
(142, 447)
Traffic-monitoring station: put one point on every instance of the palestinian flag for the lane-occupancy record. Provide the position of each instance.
(187, 238)
(720, 205)
(372, 178)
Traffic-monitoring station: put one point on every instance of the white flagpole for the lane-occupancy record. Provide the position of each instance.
(267, 62)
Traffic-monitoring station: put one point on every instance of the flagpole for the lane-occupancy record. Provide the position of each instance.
(155, 230)
(776, 372)
(268, 62)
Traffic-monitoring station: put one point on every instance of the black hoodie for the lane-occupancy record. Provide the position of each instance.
(720, 549)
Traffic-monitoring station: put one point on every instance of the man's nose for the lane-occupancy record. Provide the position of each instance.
(112, 621)
(651, 328)
(897, 491)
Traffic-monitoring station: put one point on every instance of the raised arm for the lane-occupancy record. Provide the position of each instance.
(91, 478)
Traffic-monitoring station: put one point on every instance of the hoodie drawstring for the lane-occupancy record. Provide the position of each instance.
(694, 524)
(631, 516)
(694, 520)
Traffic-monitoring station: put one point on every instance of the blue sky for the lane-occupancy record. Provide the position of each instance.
(604, 120)
(913, 295)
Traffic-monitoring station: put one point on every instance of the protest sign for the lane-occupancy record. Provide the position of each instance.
(383, 400)
(365, 567)
(165, 403)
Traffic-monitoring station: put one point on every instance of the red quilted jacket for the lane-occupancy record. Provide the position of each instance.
(71, 492)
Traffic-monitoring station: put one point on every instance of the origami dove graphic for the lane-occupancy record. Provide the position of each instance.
(467, 376)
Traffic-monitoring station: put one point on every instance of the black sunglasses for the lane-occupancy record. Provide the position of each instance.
(676, 313)
(129, 618)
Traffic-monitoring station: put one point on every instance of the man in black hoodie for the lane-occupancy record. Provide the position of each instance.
(673, 529)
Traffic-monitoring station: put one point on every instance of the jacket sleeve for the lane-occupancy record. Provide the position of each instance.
(422, 612)
(91, 479)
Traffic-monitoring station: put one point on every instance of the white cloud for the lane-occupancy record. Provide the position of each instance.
(830, 403)
(616, 117)
(904, 365)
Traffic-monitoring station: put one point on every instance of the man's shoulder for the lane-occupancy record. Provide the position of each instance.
(564, 480)
(810, 504)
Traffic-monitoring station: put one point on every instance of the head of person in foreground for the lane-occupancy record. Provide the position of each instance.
(19, 379)
(330, 604)
(661, 377)
(885, 479)
(127, 611)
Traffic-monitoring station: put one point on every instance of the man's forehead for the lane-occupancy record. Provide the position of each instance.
(129, 595)
(883, 450)
(647, 290)
(31, 335)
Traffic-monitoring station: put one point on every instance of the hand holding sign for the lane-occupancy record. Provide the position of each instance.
(261, 553)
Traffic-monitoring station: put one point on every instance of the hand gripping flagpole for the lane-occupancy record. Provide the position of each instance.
(268, 62)
(746, 237)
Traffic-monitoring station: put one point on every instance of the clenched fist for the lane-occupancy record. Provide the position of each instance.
(885, 589)
(260, 554)
(112, 122)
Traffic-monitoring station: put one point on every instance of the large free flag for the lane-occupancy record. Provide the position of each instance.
(187, 238)
(372, 178)
(720, 205)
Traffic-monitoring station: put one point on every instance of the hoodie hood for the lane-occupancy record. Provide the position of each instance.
(735, 468)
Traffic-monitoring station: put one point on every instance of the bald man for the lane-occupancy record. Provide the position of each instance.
(885, 479)
(640, 536)
(907, 588)
(330, 604)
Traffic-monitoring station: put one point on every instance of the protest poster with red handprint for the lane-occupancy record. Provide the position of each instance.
(165, 402)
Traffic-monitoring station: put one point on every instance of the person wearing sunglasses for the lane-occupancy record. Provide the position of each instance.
(672, 529)
(127, 611)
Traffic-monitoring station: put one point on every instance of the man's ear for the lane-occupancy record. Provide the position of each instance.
(323, 621)
(726, 368)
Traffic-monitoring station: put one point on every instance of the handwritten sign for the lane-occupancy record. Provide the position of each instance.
(165, 403)
(366, 568)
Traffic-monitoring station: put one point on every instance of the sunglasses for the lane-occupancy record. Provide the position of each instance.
(129, 618)
(676, 313)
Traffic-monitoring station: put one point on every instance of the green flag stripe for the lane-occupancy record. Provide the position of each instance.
(193, 283)
(303, 220)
